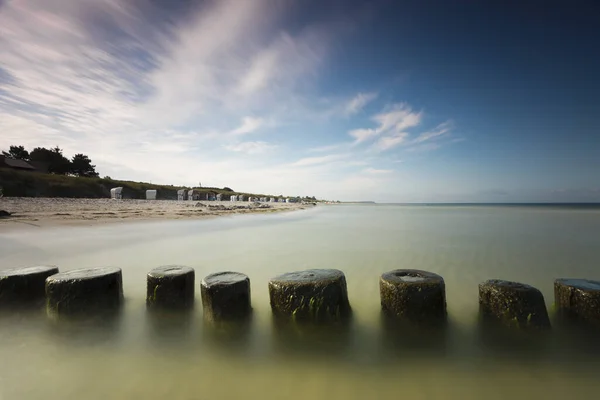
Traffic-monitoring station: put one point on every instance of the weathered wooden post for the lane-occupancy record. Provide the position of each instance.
(23, 286)
(512, 304)
(226, 296)
(170, 287)
(84, 290)
(413, 295)
(316, 295)
(578, 298)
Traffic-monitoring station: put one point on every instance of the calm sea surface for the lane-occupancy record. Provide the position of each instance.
(137, 355)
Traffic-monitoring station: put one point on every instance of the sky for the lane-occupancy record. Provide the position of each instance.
(388, 101)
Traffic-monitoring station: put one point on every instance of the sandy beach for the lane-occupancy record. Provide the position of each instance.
(42, 212)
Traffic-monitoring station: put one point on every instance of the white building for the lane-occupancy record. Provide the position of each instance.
(116, 193)
(193, 195)
(151, 194)
(182, 194)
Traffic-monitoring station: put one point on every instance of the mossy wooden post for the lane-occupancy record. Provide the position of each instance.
(316, 295)
(513, 304)
(578, 298)
(226, 296)
(170, 287)
(24, 285)
(84, 290)
(413, 295)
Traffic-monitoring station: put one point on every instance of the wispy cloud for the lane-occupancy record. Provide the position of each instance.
(320, 160)
(392, 130)
(251, 147)
(362, 135)
(437, 132)
(398, 118)
(329, 148)
(378, 171)
(391, 125)
(249, 125)
(358, 102)
(391, 141)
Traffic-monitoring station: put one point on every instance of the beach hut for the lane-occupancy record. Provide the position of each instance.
(182, 194)
(151, 194)
(241, 197)
(116, 193)
(272, 200)
(212, 196)
(219, 197)
(194, 195)
(233, 198)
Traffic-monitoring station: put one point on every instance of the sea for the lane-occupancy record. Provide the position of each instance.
(139, 355)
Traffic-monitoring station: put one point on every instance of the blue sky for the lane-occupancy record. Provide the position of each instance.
(389, 101)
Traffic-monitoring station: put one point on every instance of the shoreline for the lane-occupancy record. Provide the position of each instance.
(53, 212)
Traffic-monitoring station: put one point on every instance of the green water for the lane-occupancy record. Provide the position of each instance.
(137, 355)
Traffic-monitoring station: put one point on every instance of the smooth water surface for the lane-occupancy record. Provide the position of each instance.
(147, 356)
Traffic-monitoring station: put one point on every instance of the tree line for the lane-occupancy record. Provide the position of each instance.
(56, 162)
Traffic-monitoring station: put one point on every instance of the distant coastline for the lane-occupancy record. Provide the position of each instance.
(564, 205)
(531, 204)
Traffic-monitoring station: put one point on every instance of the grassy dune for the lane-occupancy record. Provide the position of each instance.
(32, 184)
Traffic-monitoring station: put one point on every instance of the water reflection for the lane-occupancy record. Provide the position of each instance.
(173, 328)
(575, 339)
(230, 335)
(93, 329)
(401, 339)
(310, 339)
(29, 316)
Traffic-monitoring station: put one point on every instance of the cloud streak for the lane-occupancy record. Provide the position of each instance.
(358, 102)
(393, 124)
(320, 160)
(251, 148)
(249, 125)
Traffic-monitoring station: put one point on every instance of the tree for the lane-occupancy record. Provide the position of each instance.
(81, 165)
(53, 158)
(17, 152)
(227, 189)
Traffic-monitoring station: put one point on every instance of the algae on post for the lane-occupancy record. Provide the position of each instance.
(513, 304)
(312, 295)
(226, 296)
(413, 295)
